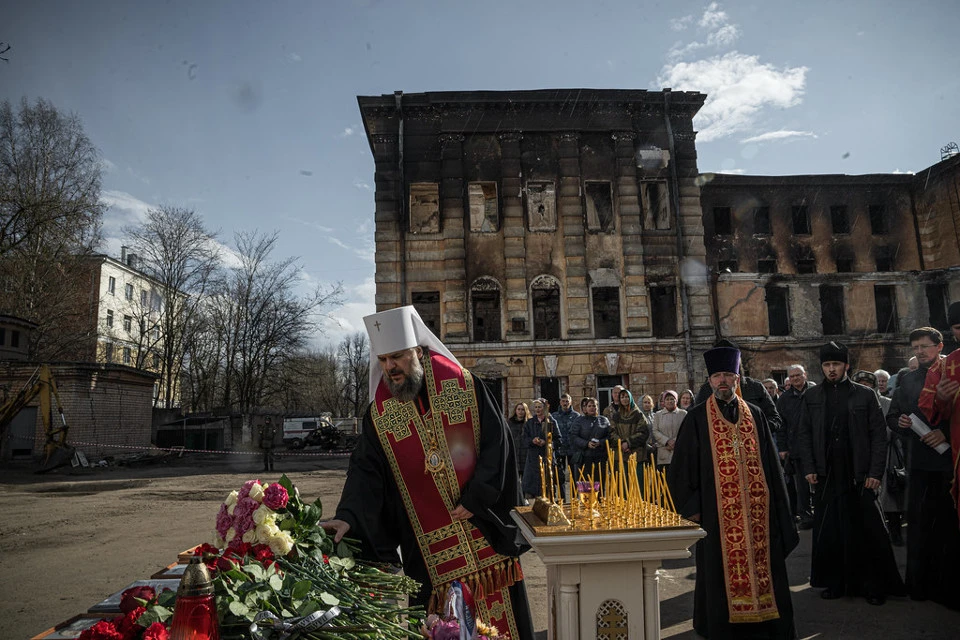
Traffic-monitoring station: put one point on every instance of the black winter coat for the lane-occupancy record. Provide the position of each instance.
(865, 424)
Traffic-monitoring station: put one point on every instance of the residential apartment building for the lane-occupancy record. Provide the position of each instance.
(127, 310)
(798, 260)
(553, 239)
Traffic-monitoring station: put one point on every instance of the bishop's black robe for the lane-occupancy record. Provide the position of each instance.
(691, 479)
(371, 504)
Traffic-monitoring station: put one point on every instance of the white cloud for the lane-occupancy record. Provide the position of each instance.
(133, 173)
(360, 184)
(720, 32)
(309, 223)
(679, 24)
(724, 36)
(733, 172)
(782, 134)
(898, 172)
(107, 166)
(713, 17)
(347, 132)
(294, 57)
(738, 87)
(123, 209)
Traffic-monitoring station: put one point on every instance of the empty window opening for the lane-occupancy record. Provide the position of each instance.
(722, 221)
(663, 311)
(767, 265)
(937, 304)
(427, 304)
(484, 214)
(831, 310)
(801, 220)
(840, 219)
(885, 259)
(878, 219)
(606, 312)
(541, 206)
(599, 205)
(655, 204)
(761, 220)
(485, 297)
(778, 312)
(885, 298)
(424, 207)
(546, 309)
(727, 266)
(844, 265)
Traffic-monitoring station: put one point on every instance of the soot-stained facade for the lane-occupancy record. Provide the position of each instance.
(553, 238)
(798, 260)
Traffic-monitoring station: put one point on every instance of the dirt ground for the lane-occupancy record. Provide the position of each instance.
(72, 537)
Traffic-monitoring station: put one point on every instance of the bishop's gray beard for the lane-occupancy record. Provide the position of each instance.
(408, 389)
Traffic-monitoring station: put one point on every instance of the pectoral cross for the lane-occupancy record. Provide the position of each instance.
(377, 325)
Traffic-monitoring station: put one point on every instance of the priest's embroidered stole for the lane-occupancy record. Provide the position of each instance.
(432, 456)
(743, 505)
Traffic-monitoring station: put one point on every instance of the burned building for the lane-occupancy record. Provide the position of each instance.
(564, 241)
(798, 260)
(553, 239)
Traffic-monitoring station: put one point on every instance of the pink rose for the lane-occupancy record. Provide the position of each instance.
(128, 599)
(245, 489)
(224, 521)
(156, 631)
(275, 497)
(445, 630)
(103, 630)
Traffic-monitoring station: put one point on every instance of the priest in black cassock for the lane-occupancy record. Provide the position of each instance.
(434, 476)
(726, 475)
(842, 445)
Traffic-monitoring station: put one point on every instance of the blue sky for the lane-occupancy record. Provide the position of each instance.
(246, 111)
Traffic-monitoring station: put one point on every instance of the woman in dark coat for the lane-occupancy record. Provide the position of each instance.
(521, 413)
(535, 442)
(589, 437)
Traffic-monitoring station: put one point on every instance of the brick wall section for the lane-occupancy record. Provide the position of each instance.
(103, 405)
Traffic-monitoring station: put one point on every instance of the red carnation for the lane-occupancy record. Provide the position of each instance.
(103, 630)
(156, 631)
(127, 625)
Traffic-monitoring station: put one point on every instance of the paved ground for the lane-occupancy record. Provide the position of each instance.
(72, 537)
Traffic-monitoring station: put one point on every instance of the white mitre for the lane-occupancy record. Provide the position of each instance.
(395, 330)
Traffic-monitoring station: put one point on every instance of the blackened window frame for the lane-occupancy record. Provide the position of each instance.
(778, 310)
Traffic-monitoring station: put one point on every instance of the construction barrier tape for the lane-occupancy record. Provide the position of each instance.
(258, 452)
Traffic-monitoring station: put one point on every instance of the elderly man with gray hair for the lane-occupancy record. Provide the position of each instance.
(788, 406)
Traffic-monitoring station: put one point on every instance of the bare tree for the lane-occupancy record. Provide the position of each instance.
(175, 249)
(263, 320)
(50, 214)
(354, 357)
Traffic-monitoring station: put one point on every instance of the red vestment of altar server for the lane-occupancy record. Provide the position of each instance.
(937, 410)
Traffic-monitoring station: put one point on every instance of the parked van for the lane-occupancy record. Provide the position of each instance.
(295, 430)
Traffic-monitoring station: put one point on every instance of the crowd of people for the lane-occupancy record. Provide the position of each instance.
(581, 439)
(859, 456)
(863, 453)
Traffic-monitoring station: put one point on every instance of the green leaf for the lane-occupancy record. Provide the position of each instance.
(255, 572)
(343, 550)
(308, 607)
(301, 589)
(329, 599)
(237, 608)
(276, 583)
(319, 506)
(285, 482)
(287, 524)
